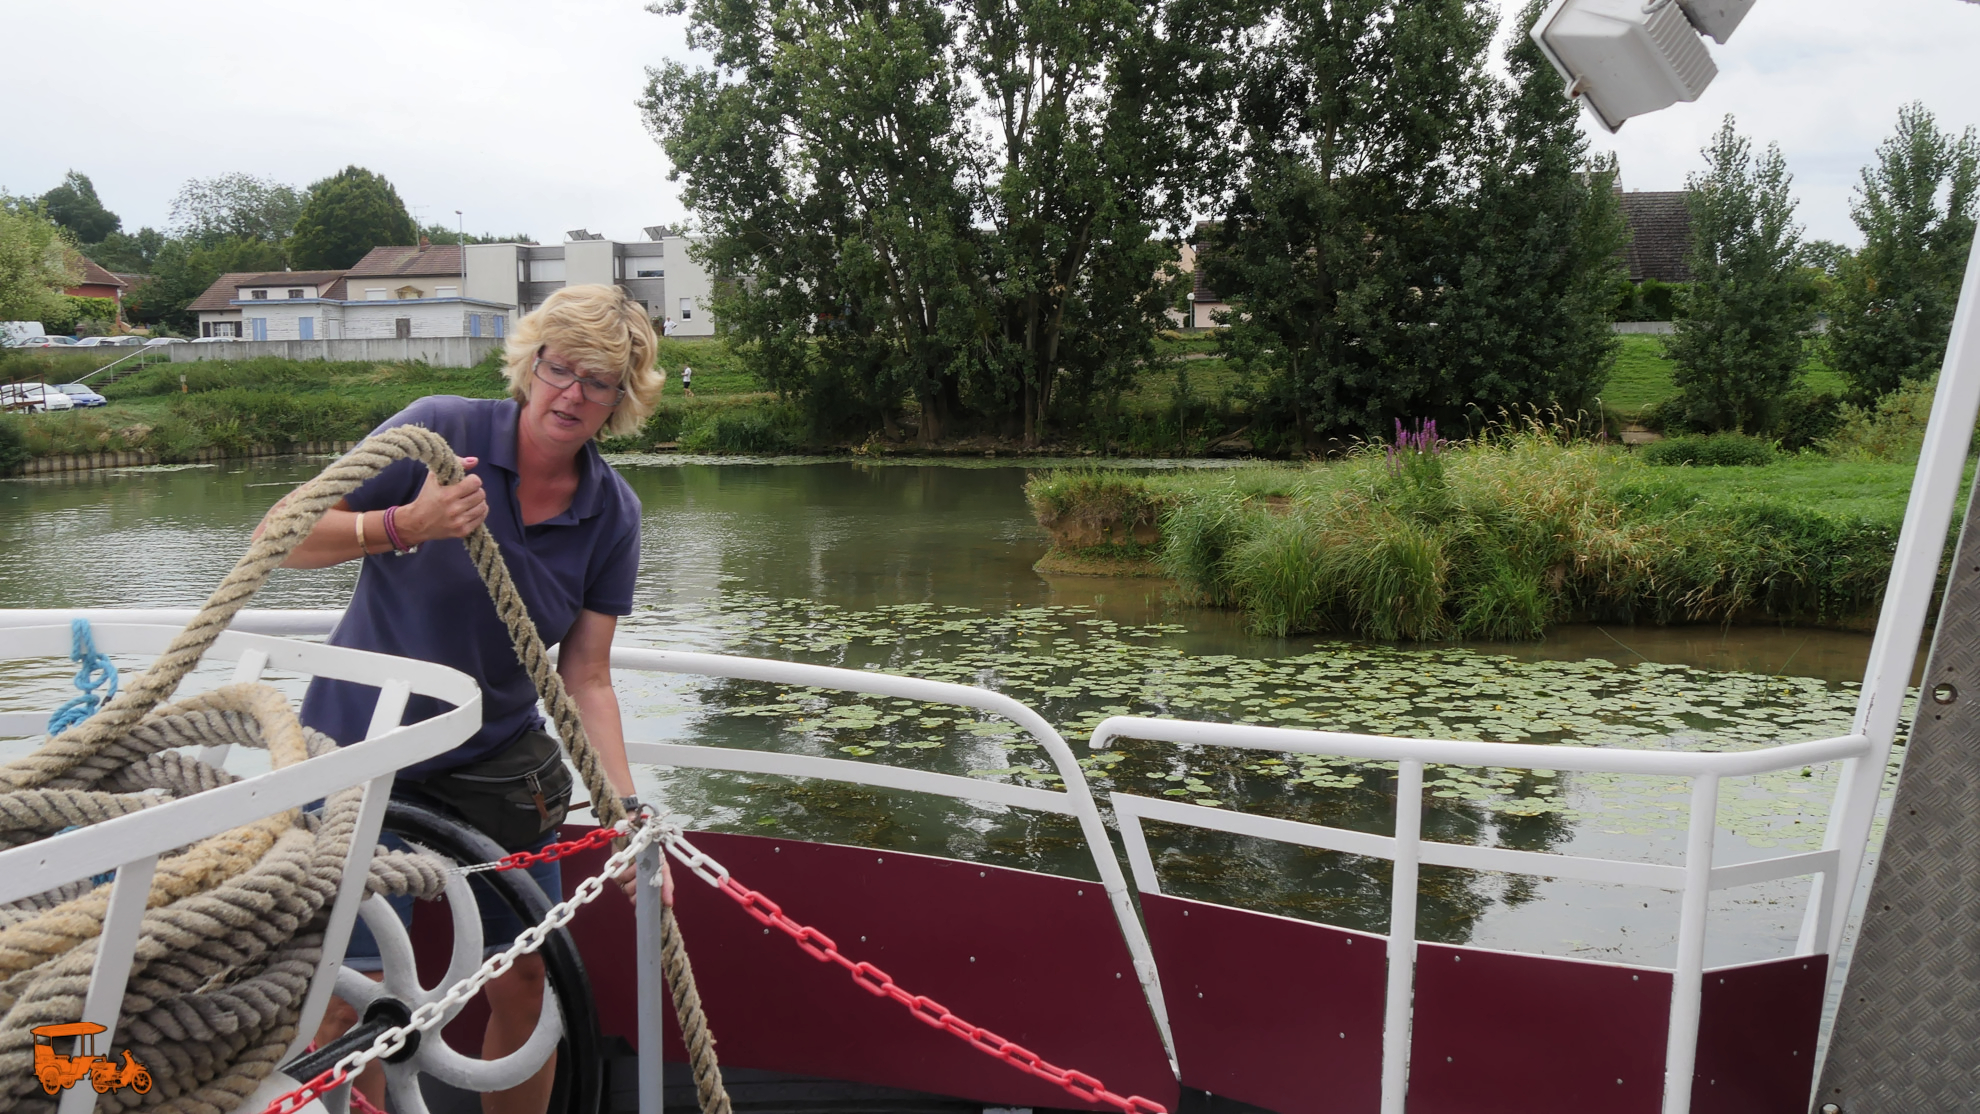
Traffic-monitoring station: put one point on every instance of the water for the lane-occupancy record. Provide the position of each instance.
(926, 570)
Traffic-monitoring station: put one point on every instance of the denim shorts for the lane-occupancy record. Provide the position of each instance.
(499, 925)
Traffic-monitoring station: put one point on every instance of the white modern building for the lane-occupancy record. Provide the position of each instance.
(392, 294)
(656, 272)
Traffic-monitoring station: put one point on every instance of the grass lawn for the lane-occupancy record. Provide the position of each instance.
(1871, 490)
(1642, 376)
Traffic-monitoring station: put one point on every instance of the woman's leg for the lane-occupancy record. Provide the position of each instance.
(515, 1001)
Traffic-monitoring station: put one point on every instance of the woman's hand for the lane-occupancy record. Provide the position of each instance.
(444, 511)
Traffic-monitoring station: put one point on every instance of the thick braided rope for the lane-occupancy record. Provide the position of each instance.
(713, 1096)
(91, 750)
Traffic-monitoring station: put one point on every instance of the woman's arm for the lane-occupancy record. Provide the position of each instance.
(585, 664)
(438, 512)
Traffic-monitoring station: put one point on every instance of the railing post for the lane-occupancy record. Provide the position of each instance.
(652, 983)
(1688, 980)
(1402, 937)
(130, 893)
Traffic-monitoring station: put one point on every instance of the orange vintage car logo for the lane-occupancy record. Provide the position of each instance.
(57, 1070)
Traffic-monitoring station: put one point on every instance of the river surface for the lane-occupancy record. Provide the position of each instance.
(925, 569)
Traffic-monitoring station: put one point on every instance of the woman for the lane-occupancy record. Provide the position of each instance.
(579, 366)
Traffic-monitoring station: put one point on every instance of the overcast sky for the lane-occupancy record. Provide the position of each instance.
(523, 116)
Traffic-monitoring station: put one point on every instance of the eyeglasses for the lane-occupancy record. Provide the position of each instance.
(595, 390)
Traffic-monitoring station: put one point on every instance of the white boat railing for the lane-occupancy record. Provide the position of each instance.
(130, 845)
(1695, 879)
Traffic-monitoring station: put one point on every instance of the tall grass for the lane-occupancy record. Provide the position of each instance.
(1499, 538)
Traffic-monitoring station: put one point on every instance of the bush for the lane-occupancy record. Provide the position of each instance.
(77, 310)
(1891, 429)
(1805, 419)
(1718, 450)
(761, 428)
(13, 446)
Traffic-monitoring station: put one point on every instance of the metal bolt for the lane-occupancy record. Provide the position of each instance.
(1831, 1108)
(1944, 693)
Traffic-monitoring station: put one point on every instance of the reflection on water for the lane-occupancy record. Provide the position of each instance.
(926, 570)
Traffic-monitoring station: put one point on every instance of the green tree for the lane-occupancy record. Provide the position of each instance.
(440, 234)
(129, 251)
(238, 206)
(74, 206)
(348, 214)
(1891, 306)
(1525, 317)
(1362, 122)
(1742, 331)
(957, 203)
(36, 263)
(183, 271)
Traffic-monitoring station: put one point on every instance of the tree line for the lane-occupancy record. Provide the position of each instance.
(1746, 327)
(966, 215)
(228, 223)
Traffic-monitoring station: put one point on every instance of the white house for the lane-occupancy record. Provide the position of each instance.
(393, 293)
(656, 272)
(219, 309)
(349, 319)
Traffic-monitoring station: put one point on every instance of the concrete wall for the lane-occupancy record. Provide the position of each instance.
(436, 351)
(491, 273)
(588, 261)
(687, 280)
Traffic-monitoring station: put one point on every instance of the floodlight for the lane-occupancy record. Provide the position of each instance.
(1716, 18)
(1624, 58)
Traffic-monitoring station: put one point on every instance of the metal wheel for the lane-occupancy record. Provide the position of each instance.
(568, 1024)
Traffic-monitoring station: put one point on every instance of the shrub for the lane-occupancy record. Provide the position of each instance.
(1891, 429)
(13, 446)
(763, 428)
(1718, 450)
(1805, 419)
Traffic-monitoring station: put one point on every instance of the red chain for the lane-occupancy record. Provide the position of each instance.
(929, 1012)
(314, 1089)
(596, 837)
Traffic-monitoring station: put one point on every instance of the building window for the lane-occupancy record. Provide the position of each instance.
(258, 295)
(295, 293)
(650, 274)
(687, 308)
(447, 292)
(375, 294)
(474, 324)
(306, 328)
(501, 323)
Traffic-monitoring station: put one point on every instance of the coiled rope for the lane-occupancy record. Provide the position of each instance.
(233, 926)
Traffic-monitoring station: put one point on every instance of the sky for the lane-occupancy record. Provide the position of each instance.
(524, 117)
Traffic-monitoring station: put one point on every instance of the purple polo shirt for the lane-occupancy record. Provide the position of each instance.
(432, 605)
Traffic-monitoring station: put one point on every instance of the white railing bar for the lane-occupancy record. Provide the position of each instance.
(1136, 843)
(653, 993)
(16, 724)
(1688, 977)
(1470, 753)
(39, 867)
(1402, 938)
(246, 672)
(247, 621)
(1298, 832)
(1935, 486)
(130, 893)
(840, 769)
(386, 714)
(965, 696)
(1817, 863)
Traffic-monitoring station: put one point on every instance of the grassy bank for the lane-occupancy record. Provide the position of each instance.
(1504, 538)
(1641, 377)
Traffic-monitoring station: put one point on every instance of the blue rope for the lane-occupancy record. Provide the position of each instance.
(96, 672)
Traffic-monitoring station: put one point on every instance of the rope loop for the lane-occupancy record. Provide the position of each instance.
(97, 670)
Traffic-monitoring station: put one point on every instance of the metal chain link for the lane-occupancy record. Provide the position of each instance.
(431, 1014)
(877, 982)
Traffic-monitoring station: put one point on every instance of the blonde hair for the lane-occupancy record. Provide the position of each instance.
(599, 329)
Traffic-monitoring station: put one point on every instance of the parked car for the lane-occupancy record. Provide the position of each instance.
(156, 341)
(33, 398)
(92, 342)
(47, 342)
(82, 395)
(214, 340)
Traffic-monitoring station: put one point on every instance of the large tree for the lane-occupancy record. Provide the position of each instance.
(1742, 330)
(36, 262)
(347, 215)
(957, 202)
(1891, 306)
(236, 205)
(1410, 236)
(75, 206)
